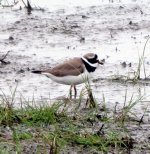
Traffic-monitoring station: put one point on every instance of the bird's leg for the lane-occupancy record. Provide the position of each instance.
(75, 91)
(70, 92)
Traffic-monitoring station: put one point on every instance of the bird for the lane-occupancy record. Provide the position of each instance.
(73, 71)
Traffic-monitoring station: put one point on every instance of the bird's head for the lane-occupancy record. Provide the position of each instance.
(92, 58)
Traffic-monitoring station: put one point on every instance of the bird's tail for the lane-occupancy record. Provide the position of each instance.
(37, 72)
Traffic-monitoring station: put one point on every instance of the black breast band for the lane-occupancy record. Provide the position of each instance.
(88, 67)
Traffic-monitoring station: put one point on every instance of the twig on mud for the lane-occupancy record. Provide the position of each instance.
(10, 5)
(115, 110)
(141, 120)
(24, 3)
(38, 8)
(7, 6)
(3, 59)
(28, 6)
(100, 132)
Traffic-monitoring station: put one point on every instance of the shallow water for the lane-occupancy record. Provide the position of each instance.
(117, 32)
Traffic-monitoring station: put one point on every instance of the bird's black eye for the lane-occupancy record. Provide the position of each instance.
(96, 56)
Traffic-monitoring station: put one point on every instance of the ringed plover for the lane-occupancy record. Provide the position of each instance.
(74, 71)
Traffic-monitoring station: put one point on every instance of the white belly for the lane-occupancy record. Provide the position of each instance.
(70, 80)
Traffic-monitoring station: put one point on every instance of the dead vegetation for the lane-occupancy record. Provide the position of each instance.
(3, 61)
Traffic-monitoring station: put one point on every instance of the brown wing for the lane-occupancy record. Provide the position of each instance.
(71, 67)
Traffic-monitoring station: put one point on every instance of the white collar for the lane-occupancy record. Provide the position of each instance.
(92, 65)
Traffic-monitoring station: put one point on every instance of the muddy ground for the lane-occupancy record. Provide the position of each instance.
(116, 32)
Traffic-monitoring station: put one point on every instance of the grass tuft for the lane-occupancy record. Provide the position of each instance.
(51, 129)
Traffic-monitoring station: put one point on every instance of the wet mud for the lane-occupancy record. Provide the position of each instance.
(116, 32)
